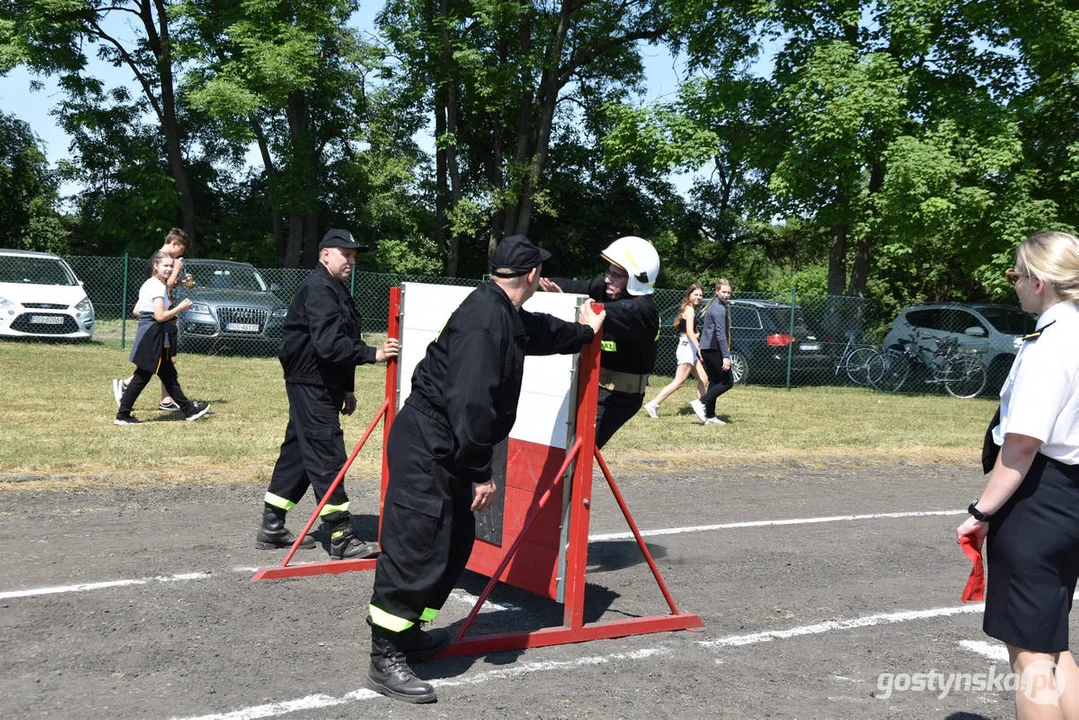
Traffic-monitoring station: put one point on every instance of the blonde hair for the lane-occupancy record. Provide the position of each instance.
(719, 283)
(1052, 256)
(685, 302)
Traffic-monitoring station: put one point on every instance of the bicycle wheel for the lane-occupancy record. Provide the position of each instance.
(964, 376)
(858, 365)
(888, 370)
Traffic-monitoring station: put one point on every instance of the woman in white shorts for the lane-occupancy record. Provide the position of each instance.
(688, 353)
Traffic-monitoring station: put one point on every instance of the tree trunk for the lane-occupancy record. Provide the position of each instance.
(280, 246)
(158, 39)
(837, 260)
(295, 239)
(863, 246)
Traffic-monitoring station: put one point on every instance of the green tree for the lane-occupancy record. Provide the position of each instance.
(54, 37)
(296, 81)
(28, 191)
(501, 76)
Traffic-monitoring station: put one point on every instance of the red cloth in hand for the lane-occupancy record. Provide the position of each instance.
(975, 589)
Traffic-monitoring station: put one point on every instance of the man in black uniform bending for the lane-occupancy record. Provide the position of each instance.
(319, 353)
(463, 403)
(629, 332)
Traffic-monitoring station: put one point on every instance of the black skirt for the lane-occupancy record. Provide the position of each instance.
(1033, 559)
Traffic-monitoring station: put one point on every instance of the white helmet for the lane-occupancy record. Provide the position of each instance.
(639, 259)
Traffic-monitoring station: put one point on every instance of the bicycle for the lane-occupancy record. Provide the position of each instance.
(855, 361)
(963, 375)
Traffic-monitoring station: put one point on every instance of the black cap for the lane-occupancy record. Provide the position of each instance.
(335, 237)
(517, 255)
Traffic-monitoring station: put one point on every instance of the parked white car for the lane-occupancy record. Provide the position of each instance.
(41, 297)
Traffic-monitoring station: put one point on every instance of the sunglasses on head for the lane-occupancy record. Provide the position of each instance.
(1012, 276)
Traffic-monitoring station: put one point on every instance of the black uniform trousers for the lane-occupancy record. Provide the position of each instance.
(613, 410)
(719, 380)
(313, 451)
(166, 370)
(428, 527)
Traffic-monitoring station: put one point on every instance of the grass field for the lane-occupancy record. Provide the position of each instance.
(57, 408)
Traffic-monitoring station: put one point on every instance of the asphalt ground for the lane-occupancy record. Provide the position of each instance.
(826, 592)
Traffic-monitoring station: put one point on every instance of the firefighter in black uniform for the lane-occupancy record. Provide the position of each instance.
(463, 402)
(319, 353)
(629, 332)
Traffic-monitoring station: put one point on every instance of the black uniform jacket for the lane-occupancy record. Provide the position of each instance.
(322, 345)
(630, 330)
(146, 351)
(472, 372)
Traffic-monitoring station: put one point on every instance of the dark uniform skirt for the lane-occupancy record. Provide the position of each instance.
(1033, 559)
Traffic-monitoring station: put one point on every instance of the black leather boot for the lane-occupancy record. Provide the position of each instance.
(419, 645)
(390, 674)
(344, 544)
(273, 534)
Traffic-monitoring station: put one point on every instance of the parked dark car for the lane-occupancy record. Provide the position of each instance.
(232, 308)
(760, 338)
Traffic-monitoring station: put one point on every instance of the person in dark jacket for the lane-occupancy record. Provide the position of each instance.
(629, 333)
(463, 403)
(715, 353)
(320, 350)
(155, 343)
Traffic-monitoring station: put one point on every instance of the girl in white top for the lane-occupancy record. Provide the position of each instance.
(1029, 510)
(154, 344)
(688, 353)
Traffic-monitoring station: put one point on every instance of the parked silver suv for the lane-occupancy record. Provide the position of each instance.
(232, 307)
(993, 331)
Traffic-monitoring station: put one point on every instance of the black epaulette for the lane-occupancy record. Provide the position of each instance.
(1038, 334)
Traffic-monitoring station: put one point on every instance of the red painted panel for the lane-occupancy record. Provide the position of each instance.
(529, 472)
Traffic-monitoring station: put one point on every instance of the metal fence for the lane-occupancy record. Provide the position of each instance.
(239, 309)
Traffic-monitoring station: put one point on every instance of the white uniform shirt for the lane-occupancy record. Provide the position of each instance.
(1040, 398)
(153, 288)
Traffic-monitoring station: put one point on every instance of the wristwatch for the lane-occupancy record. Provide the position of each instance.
(978, 514)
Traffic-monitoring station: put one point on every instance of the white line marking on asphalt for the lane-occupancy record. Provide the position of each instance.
(993, 651)
(591, 538)
(817, 629)
(470, 599)
(771, 523)
(86, 587)
(315, 702)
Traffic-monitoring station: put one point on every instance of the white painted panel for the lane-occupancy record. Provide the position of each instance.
(424, 312)
(548, 391)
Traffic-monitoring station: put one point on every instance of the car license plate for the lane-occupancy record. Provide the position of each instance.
(810, 346)
(47, 319)
(242, 327)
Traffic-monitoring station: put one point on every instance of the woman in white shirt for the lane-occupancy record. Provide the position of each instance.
(155, 342)
(1029, 510)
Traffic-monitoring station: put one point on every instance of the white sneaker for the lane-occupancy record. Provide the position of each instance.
(698, 409)
(118, 388)
(652, 409)
(714, 421)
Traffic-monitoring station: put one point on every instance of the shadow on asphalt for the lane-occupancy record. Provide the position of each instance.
(523, 612)
(619, 554)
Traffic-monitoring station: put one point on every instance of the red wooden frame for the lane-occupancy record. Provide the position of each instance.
(580, 454)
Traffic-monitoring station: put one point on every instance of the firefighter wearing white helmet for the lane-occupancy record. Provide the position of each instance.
(629, 332)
